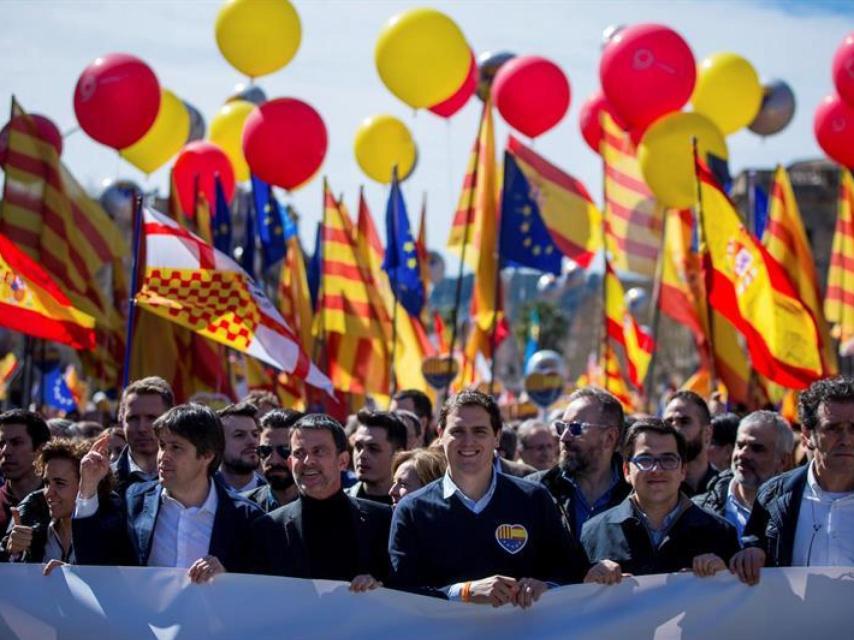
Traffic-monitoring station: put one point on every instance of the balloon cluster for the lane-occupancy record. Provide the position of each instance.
(119, 102)
(648, 74)
(833, 123)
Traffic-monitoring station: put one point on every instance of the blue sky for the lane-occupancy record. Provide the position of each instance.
(46, 44)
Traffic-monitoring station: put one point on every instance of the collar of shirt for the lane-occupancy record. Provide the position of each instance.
(658, 535)
(815, 492)
(475, 506)
(133, 467)
(209, 505)
(54, 549)
(605, 497)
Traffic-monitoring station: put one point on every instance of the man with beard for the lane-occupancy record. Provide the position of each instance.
(689, 414)
(324, 534)
(143, 401)
(588, 478)
(274, 451)
(239, 469)
(763, 447)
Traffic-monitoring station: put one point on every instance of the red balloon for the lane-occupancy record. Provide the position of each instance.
(116, 99)
(31, 124)
(590, 119)
(834, 129)
(284, 141)
(646, 71)
(531, 93)
(449, 107)
(843, 69)
(203, 160)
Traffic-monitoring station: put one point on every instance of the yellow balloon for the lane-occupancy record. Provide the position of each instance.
(422, 57)
(383, 142)
(258, 37)
(666, 156)
(226, 130)
(164, 138)
(728, 91)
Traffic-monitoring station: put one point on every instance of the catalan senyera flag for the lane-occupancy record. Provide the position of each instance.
(188, 282)
(638, 345)
(33, 304)
(747, 286)
(786, 241)
(545, 213)
(839, 300)
(612, 379)
(682, 297)
(633, 219)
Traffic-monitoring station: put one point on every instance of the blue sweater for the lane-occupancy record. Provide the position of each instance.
(436, 542)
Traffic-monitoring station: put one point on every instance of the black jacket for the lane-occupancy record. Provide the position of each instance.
(264, 497)
(619, 535)
(126, 539)
(123, 477)
(774, 517)
(714, 500)
(564, 494)
(279, 547)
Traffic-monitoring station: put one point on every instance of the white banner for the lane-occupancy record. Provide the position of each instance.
(125, 602)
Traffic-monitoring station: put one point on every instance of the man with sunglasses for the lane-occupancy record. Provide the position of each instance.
(588, 478)
(657, 529)
(274, 451)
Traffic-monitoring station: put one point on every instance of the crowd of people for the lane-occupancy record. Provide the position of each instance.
(461, 506)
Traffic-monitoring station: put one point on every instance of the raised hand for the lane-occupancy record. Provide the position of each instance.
(20, 537)
(94, 466)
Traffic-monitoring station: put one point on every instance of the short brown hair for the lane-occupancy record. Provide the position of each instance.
(610, 408)
(653, 425)
(471, 398)
(394, 427)
(280, 418)
(200, 426)
(245, 409)
(73, 451)
(686, 395)
(429, 464)
(150, 386)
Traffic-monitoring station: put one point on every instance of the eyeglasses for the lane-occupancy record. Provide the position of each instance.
(575, 428)
(265, 450)
(667, 462)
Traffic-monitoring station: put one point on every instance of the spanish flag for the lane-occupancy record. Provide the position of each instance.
(624, 329)
(750, 288)
(32, 303)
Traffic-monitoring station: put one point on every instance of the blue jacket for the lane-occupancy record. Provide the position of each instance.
(774, 517)
(619, 535)
(123, 477)
(126, 538)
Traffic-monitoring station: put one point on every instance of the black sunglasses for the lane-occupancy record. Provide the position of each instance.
(265, 450)
(575, 428)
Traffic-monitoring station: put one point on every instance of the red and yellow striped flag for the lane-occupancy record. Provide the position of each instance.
(839, 301)
(786, 241)
(613, 381)
(623, 329)
(423, 255)
(633, 219)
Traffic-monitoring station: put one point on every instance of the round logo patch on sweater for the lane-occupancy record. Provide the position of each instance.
(511, 537)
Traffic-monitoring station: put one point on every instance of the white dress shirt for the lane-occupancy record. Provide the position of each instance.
(735, 511)
(825, 530)
(182, 534)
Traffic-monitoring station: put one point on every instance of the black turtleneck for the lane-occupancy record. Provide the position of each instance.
(330, 537)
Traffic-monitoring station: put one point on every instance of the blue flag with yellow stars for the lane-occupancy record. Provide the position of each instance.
(401, 259)
(524, 238)
(221, 223)
(269, 220)
(57, 395)
(315, 266)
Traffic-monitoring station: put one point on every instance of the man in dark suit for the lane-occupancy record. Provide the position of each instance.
(806, 516)
(142, 402)
(183, 519)
(325, 534)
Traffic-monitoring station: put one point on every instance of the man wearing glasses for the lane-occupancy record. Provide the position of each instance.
(806, 516)
(274, 450)
(588, 478)
(657, 529)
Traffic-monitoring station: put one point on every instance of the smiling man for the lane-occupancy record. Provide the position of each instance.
(657, 529)
(477, 535)
(324, 534)
(806, 516)
(22, 435)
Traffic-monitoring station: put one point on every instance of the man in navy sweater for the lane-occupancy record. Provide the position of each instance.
(477, 535)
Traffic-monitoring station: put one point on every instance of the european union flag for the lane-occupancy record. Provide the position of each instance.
(315, 265)
(57, 395)
(524, 239)
(760, 210)
(289, 227)
(247, 259)
(401, 258)
(270, 222)
(221, 223)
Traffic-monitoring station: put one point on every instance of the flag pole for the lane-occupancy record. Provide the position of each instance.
(459, 289)
(649, 387)
(601, 339)
(496, 296)
(137, 240)
(395, 282)
(701, 241)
